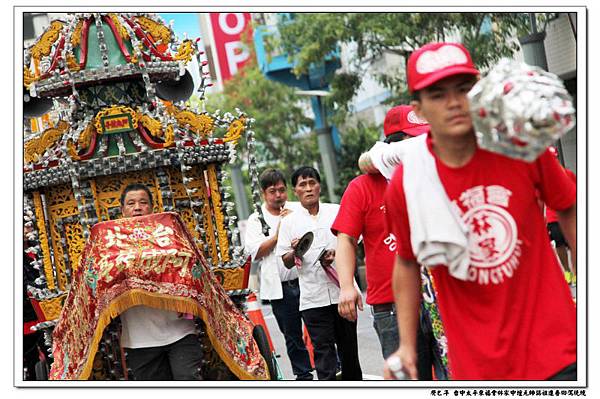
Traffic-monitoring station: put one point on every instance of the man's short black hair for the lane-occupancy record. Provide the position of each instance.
(270, 177)
(398, 136)
(305, 171)
(135, 187)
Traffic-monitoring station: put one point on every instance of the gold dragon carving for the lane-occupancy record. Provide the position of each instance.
(28, 77)
(44, 45)
(75, 243)
(233, 279)
(83, 142)
(76, 35)
(61, 201)
(198, 182)
(52, 307)
(59, 258)
(211, 241)
(158, 198)
(95, 195)
(215, 196)
(169, 136)
(235, 131)
(61, 204)
(43, 238)
(188, 219)
(36, 147)
(72, 63)
(175, 183)
(156, 129)
(120, 28)
(185, 51)
(159, 32)
(201, 124)
(30, 154)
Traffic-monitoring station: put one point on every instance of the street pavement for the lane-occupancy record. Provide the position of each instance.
(369, 351)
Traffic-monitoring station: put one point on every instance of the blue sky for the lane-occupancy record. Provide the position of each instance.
(187, 22)
(184, 22)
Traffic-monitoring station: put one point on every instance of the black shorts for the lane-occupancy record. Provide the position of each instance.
(556, 235)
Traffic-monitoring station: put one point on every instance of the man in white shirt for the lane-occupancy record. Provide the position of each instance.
(278, 284)
(319, 292)
(160, 344)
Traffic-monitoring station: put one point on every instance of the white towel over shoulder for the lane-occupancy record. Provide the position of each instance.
(438, 234)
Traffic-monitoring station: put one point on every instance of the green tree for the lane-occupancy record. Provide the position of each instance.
(309, 37)
(282, 129)
(279, 118)
(355, 140)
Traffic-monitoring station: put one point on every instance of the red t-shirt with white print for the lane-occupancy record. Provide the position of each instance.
(514, 318)
(362, 213)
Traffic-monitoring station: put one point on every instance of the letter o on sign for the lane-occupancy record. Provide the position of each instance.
(232, 30)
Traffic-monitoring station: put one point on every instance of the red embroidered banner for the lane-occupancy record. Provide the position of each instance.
(148, 260)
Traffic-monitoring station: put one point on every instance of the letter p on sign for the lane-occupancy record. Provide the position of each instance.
(237, 53)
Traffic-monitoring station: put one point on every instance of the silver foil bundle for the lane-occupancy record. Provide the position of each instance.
(519, 110)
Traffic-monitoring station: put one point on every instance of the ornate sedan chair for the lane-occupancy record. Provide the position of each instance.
(114, 85)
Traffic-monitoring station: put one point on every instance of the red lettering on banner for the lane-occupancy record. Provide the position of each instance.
(116, 123)
(231, 52)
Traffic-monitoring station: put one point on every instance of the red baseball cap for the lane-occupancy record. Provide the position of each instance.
(436, 61)
(402, 118)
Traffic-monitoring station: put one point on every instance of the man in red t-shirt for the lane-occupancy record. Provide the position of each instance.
(512, 318)
(362, 214)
